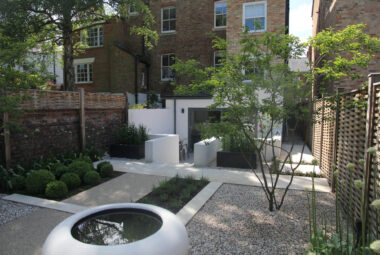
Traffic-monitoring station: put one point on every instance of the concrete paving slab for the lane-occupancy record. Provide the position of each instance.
(27, 234)
(51, 204)
(195, 204)
(214, 175)
(126, 188)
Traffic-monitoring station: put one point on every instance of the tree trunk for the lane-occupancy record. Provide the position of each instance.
(271, 202)
(68, 58)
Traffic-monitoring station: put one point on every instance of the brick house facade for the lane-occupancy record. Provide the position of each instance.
(340, 13)
(184, 28)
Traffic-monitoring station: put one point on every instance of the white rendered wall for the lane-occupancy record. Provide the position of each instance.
(205, 151)
(157, 121)
(162, 149)
(182, 119)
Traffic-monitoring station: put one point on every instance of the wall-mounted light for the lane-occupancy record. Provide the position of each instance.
(183, 110)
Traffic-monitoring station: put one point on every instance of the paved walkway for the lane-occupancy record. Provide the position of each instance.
(214, 175)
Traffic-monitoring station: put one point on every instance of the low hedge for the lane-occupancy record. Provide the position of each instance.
(56, 190)
(72, 180)
(105, 169)
(80, 167)
(37, 180)
(92, 178)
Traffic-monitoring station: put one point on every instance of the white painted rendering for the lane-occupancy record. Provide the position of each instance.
(182, 119)
(157, 121)
(170, 239)
(268, 150)
(162, 149)
(205, 151)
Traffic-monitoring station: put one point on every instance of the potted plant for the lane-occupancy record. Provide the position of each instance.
(236, 153)
(130, 142)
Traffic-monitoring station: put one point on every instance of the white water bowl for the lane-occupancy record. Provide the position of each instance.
(170, 239)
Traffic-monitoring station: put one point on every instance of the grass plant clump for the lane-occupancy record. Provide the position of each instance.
(174, 193)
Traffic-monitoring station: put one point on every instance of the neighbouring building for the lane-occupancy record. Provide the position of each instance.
(118, 62)
(338, 14)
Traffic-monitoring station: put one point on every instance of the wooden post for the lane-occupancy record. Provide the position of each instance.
(335, 148)
(368, 143)
(321, 137)
(82, 118)
(7, 141)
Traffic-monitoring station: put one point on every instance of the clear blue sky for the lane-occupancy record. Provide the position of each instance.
(300, 18)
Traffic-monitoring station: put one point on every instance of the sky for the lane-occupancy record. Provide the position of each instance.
(300, 18)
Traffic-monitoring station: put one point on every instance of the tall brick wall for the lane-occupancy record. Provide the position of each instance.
(276, 12)
(53, 126)
(341, 13)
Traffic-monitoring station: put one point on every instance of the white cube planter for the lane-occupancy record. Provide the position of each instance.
(170, 239)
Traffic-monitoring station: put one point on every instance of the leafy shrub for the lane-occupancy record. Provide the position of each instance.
(56, 190)
(237, 143)
(18, 182)
(37, 180)
(72, 180)
(105, 169)
(130, 134)
(80, 167)
(91, 178)
(93, 153)
(5, 179)
(60, 170)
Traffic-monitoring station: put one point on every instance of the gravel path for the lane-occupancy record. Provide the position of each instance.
(10, 211)
(236, 220)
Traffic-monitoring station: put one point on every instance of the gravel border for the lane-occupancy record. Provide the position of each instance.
(236, 220)
(10, 211)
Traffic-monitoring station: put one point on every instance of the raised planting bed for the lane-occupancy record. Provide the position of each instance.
(127, 151)
(175, 193)
(235, 159)
(75, 191)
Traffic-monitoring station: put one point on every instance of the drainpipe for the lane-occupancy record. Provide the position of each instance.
(287, 17)
(175, 116)
(136, 81)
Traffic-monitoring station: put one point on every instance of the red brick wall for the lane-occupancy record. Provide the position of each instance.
(113, 68)
(194, 22)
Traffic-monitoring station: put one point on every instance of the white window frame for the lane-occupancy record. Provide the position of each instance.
(88, 62)
(85, 38)
(266, 15)
(165, 79)
(215, 3)
(162, 19)
(215, 53)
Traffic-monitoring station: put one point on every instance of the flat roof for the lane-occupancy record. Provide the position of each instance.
(186, 97)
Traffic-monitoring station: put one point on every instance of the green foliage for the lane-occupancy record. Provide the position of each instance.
(255, 101)
(138, 107)
(105, 169)
(71, 180)
(56, 190)
(91, 178)
(5, 179)
(80, 167)
(130, 134)
(153, 100)
(60, 170)
(348, 236)
(343, 53)
(93, 153)
(37, 180)
(173, 194)
(18, 182)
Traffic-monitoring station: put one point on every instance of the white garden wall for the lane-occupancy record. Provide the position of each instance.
(157, 121)
(162, 149)
(205, 151)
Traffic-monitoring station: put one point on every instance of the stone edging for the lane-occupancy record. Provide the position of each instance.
(195, 204)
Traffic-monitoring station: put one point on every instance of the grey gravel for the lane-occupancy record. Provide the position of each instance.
(236, 220)
(10, 211)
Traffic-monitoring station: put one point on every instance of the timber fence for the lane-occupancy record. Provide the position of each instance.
(345, 127)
